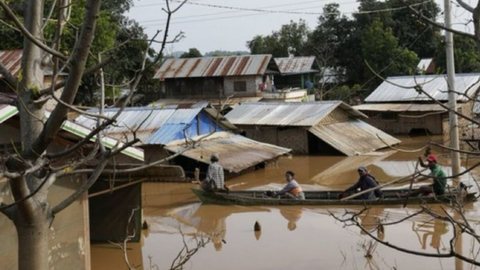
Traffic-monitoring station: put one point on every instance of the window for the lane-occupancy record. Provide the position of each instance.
(240, 86)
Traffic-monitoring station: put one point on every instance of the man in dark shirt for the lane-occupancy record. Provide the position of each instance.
(366, 181)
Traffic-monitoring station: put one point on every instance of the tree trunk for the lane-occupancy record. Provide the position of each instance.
(33, 240)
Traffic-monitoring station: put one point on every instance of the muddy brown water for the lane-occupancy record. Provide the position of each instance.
(290, 237)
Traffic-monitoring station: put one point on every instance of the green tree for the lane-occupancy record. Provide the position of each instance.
(330, 40)
(291, 38)
(117, 37)
(192, 52)
(381, 51)
(467, 57)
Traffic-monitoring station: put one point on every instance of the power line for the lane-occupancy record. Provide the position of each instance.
(209, 19)
(235, 11)
(294, 12)
(263, 11)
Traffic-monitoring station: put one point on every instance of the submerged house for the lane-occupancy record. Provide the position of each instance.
(328, 127)
(217, 77)
(297, 72)
(188, 136)
(396, 107)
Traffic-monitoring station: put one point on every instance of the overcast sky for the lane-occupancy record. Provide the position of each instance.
(220, 25)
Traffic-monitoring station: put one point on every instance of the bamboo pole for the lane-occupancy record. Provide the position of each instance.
(383, 185)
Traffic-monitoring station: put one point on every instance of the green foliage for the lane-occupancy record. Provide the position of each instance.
(343, 92)
(192, 52)
(467, 57)
(381, 51)
(115, 36)
(291, 38)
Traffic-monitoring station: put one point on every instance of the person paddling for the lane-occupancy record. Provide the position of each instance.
(436, 173)
(366, 181)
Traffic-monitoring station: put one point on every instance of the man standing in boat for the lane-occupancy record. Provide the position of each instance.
(437, 174)
(215, 180)
(292, 189)
(366, 181)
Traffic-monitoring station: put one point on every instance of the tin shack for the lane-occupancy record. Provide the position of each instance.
(327, 127)
(217, 77)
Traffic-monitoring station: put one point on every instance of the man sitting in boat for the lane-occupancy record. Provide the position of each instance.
(366, 181)
(215, 180)
(292, 189)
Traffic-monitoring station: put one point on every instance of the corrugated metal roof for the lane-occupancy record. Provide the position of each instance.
(236, 152)
(178, 126)
(296, 65)
(285, 113)
(81, 131)
(400, 107)
(156, 125)
(12, 60)
(434, 85)
(7, 111)
(149, 120)
(353, 137)
(213, 66)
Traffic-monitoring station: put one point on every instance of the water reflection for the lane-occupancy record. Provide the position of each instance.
(371, 221)
(213, 224)
(424, 230)
(292, 215)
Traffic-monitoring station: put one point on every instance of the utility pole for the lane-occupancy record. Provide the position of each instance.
(452, 117)
(452, 97)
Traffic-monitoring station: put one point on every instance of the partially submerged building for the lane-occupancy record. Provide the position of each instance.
(164, 132)
(328, 127)
(217, 77)
(397, 107)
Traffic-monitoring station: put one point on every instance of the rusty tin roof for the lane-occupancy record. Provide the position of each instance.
(12, 60)
(223, 66)
(236, 152)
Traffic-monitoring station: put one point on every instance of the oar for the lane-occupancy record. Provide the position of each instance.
(382, 185)
(411, 184)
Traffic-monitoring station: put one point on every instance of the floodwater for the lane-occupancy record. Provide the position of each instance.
(291, 237)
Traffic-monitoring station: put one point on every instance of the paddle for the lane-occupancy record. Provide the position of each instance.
(382, 185)
(411, 184)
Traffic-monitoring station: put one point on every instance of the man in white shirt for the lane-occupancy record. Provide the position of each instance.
(215, 179)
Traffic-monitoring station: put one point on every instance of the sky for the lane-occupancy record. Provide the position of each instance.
(210, 25)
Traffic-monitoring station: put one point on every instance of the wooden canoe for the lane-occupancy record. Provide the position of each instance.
(258, 197)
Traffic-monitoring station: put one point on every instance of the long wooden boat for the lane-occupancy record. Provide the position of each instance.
(390, 197)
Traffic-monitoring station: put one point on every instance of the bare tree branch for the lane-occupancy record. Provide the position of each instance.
(27, 33)
(79, 57)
